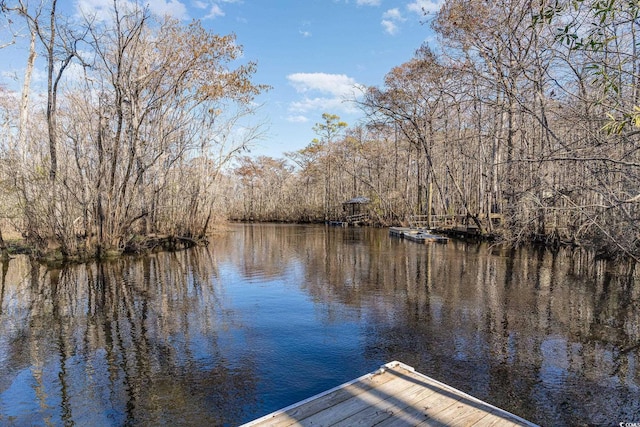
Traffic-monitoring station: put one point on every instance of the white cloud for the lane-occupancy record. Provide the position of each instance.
(394, 14)
(390, 27)
(368, 2)
(318, 104)
(335, 84)
(173, 8)
(323, 92)
(425, 6)
(304, 25)
(214, 7)
(298, 119)
(74, 72)
(9, 75)
(102, 10)
(15, 77)
(214, 12)
(391, 19)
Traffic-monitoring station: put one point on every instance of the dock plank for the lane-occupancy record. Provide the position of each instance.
(386, 409)
(457, 414)
(426, 410)
(329, 399)
(395, 395)
(492, 420)
(358, 403)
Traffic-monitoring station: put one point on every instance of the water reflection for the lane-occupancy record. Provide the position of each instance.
(272, 314)
(129, 342)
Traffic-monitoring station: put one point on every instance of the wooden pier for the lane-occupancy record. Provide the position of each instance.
(451, 224)
(351, 220)
(459, 225)
(417, 235)
(394, 395)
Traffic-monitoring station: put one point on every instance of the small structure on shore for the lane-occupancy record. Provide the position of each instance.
(354, 212)
(356, 206)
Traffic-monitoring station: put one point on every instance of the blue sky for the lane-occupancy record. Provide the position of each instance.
(313, 53)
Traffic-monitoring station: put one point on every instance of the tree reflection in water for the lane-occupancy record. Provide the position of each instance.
(271, 314)
(552, 336)
(126, 342)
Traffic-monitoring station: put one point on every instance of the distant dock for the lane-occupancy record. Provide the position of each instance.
(394, 395)
(417, 235)
(351, 220)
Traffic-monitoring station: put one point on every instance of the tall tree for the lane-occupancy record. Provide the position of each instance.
(328, 130)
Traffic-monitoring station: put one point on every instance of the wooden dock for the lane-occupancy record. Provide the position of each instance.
(394, 395)
(458, 225)
(351, 220)
(417, 235)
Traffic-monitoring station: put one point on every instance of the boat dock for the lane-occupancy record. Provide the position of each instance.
(351, 220)
(417, 235)
(394, 395)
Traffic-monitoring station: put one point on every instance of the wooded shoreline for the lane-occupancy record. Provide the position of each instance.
(537, 124)
(139, 246)
(142, 245)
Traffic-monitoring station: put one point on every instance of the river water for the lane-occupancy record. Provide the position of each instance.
(268, 315)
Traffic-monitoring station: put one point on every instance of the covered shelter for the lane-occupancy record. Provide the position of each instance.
(356, 206)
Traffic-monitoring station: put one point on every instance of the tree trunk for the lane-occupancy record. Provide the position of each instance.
(4, 251)
(24, 99)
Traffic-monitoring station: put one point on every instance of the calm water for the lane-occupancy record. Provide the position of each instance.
(272, 314)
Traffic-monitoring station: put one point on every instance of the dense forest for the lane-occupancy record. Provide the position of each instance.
(139, 118)
(527, 111)
(523, 117)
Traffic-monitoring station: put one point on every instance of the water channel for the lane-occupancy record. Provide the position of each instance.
(268, 315)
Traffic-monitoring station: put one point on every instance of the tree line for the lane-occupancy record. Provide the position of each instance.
(523, 116)
(126, 141)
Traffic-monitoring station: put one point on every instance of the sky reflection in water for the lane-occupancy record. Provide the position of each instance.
(272, 314)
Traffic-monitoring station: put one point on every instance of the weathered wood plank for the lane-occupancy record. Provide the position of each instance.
(389, 409)
(425, 410)
(459, 414)
(330, 399)
(396, 395)
(493, 419)
(355, 404)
